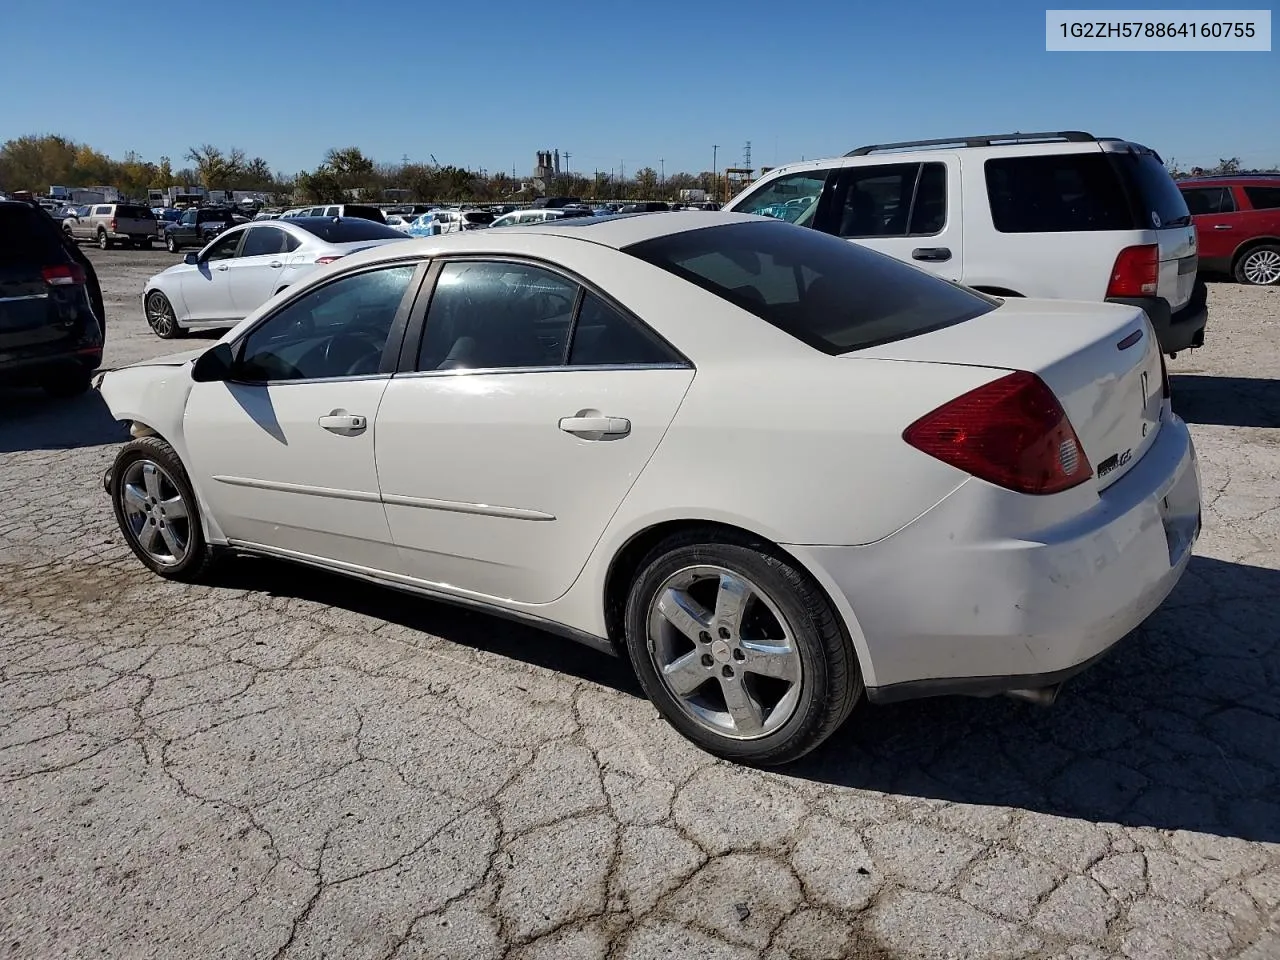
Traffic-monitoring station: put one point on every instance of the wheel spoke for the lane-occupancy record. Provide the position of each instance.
(684, 613)
(148, 536)
(686, 674)
(731, 602)
(151, 480)
(770, 660)
(135, 501)
(171, 541)
(746, 713)
(175, 508)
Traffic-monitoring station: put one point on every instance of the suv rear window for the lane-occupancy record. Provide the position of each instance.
(128, 210)
(1058, 193)
(1159, 201)
(833, 295)
(478, 216)
(26, 234)
(365, 213)
(1263, 198)
(343, 230)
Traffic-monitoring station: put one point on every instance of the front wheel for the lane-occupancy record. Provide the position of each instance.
(161, 318)
(104, 242)
(739, 649)
(1260, 266)
(171, 244)
(157, 510)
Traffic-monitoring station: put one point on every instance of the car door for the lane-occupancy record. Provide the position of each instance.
(284, 448)
(530, 407)
(206, 288)
(255, 272)
(1213, 211)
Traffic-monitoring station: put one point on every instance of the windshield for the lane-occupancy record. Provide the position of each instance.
(831, 294)
(341, 230)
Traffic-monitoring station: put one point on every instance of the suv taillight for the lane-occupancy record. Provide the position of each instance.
(1011, 432)
(112, 225)
(64, 275)
(1136, 272)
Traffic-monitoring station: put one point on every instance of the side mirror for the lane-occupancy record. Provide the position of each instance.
(213, 365)
(191, 258)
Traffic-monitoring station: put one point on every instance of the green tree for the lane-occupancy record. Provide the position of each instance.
(646, 184)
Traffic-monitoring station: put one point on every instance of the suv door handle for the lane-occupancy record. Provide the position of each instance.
(341, 422)
(1222, 226)
(932, 254)
(596, 428)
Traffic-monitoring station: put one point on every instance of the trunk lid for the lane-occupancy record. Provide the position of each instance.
(1102, 362)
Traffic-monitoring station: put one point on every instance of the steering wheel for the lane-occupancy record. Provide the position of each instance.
(351, 350)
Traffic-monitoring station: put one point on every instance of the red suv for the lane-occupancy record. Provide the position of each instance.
(1237, 222)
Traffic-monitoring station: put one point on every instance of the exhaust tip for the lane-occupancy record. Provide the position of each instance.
(1040, 696)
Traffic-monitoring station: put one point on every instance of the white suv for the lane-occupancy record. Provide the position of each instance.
(1062, 215)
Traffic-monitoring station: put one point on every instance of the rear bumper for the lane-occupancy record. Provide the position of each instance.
(23, 370)
(1175, 331)
(953, 603)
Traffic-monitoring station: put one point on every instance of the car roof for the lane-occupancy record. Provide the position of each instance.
(1229, 179)
(623, 229)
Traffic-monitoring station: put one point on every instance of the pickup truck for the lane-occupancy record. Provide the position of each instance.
(197, 227)
(110, 223)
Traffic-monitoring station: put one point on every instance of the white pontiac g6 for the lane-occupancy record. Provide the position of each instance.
(774, 469)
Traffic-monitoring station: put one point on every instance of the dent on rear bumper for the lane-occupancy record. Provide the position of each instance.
(940, 607)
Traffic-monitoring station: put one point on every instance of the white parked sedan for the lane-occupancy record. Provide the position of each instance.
(773, 468)
(247, 265)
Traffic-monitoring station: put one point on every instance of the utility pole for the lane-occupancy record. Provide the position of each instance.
(663, 182)
(567, 168)
(622, 179)
(715, 180)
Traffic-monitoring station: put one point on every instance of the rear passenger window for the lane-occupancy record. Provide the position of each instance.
(1203, 200)
(1263, 198)
(1056, 193)
(604, 335)
(489, 315)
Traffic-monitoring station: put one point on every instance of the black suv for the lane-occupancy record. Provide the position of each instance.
(197, 227)
(52, 322)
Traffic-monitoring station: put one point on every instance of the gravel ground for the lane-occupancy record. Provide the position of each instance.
(286, 764)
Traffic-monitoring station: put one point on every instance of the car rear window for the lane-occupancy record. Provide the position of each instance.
(344, 230)
(1263, 198)
(478, 216)
(142, 213)
(1058, 193)
(365, 213)
(1158, 200)
(831, 294)
(27, 234)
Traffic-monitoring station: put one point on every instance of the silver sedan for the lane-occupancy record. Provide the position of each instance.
(247, 265)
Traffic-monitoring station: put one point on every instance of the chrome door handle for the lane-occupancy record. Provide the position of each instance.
(275, 263)
(340, 421)
(596, 428)
(222, 266)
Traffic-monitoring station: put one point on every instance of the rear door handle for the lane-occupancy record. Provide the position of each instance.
(340, 422)
(932, 254)
(596, 428)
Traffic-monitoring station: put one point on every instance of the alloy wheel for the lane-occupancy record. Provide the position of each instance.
(1262, 266)
(160, 315)
(157, 516)
(725, 651)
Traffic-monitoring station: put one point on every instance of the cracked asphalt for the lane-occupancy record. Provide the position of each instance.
(287, 764)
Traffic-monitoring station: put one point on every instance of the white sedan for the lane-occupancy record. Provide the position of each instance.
(773, 468)
(249, 264)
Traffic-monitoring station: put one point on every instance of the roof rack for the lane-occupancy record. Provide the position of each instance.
(985, 140)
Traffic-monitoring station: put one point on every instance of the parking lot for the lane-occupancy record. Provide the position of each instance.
(289, 764)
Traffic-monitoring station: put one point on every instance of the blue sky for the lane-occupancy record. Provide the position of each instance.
(485, 84)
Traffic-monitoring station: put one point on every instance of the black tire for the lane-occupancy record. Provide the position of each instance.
(171, 244)
(831, 681)
(67, 383)
(161, 318)
(1246, 271)
(71, 237)
(104, 242)
(145, 243)
(193, 566)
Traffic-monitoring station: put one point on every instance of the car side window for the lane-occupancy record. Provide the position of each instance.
(189, 218)
(1204, 200)
(291, 243)
(263, 241)
(874, 201)
(337, 330)
(793, 197)
(224, 248)
(487, 315)
(604, 335)
(929, 207)
(1263, 198)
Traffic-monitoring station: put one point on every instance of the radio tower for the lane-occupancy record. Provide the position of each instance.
(746, 155)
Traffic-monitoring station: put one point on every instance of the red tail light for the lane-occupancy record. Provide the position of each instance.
(1136, 272)
(1012, 432)
(329, 259)
(64, 274)
(112, 225)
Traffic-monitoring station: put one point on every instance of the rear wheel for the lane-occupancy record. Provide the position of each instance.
(1259, 266)
(171, 244)
(157, 510)
(739, 649)
(161, 318)
(104, 242)
(67, 383)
